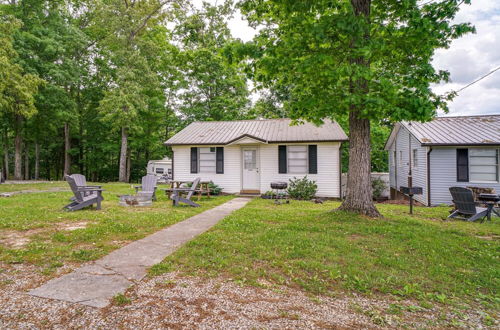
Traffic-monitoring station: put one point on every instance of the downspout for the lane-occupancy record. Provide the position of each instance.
(173, 154)
(395, 166)
(410, 174)
(429, 176)
(340, 170)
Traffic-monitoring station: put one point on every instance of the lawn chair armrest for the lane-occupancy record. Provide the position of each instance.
(87, 188)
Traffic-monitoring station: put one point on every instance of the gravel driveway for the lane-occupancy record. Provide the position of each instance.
(179, 302)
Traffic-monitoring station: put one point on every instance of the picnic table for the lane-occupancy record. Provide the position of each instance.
(202, 187)
(490, 200)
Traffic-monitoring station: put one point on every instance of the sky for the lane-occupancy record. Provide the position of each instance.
(467, 59)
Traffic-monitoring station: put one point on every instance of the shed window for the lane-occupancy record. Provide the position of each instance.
(297, 159)
(483, 165)
(462, 165)
(159, 170)
(207, 160)
(415, 157)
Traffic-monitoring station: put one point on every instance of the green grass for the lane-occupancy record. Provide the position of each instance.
(39, 217)
(305, 245)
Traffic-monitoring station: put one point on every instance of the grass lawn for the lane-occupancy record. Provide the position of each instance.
(35, 229)
(305, 245)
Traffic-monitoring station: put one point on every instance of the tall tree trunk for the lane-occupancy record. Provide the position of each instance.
(359, 197)
(6, 155)
(122, 176)
(128, 165)
(37, 160)
(18, 153)
(67, 147)
(26, 162)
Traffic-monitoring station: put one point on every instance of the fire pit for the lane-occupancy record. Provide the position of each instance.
(279, 192)
(136, 200)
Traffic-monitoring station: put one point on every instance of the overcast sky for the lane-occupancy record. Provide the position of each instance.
(467, 59)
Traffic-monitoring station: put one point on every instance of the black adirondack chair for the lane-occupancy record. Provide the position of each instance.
(178, 194)
(465, 205)
(148, 186)
(84, 196)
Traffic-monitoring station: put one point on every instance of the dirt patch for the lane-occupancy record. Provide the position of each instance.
(70, 226)
(355, 237)
(17, 239)
(490, 238)
(32, 191)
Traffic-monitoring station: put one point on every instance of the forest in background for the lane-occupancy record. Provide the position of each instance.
(96, 87)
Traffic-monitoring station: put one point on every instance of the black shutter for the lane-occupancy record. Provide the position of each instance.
(219, 168)
(282, 159)
(462, 165)
(194, 160)
(313, 159)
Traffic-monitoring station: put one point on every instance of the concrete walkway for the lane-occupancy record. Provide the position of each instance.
(95, 283)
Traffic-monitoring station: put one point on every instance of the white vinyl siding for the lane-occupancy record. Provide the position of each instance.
(483, 165)
(297, 159)
(444, 174)
(327, 178)
(403, 144)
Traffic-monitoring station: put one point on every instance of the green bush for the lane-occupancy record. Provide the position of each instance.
(378, 187)
(214, 189)
(302, 188)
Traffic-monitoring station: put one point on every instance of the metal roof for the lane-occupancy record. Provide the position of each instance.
(266, 131)
(454, 131)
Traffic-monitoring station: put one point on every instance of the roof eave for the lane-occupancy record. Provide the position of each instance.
(493, 144)
(268, 142)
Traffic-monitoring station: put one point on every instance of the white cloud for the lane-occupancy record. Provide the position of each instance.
(471, 57)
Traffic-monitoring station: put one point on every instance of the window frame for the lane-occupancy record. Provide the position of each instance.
(214, 152)
(497, 165)
(306, 159)
(414, 160)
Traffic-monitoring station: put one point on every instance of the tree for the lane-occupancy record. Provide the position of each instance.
(17, 88)
(121, 27)
(214, 85)
(359, 59)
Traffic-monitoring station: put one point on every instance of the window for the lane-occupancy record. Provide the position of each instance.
(483, 165)
(400, 157)
(462, 165)
(415, 157)
(297, 159)
(207, 160)
(159, 170)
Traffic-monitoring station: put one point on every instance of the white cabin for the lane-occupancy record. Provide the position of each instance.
(445, 152)
(246, 156)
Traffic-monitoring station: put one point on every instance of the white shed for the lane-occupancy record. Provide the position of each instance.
(445, 152)
(246, 156)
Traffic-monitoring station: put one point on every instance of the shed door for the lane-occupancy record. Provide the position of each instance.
(250, 169)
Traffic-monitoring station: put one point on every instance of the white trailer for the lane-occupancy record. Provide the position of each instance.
(160, 168)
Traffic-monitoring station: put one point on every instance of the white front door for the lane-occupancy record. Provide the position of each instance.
(250, 166)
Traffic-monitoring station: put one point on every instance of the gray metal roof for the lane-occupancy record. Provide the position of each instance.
(463, 130)
(267, 131)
